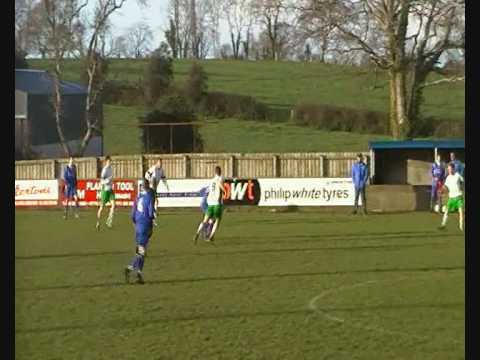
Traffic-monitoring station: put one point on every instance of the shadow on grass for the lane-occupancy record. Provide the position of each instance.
(347, 237)
(242, 277)
(306, 239)
(235, 315)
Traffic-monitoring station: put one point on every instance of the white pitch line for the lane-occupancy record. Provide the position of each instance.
(312, 305)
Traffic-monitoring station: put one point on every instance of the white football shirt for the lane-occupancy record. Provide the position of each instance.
(453, 184)
(154, 175)
(106, 178)
(215, 191)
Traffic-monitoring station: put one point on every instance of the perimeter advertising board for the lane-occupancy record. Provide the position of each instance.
(36, 192)
(263, 192)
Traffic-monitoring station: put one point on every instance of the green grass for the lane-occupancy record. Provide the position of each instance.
(230, 135)
(276, 286)
(284, 84)
(121, 136)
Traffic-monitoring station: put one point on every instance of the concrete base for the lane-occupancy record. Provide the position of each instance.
(397, 198)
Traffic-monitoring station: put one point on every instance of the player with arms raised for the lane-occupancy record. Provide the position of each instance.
(214, 205)
(453, 183)
(106, 194)
(154, 175)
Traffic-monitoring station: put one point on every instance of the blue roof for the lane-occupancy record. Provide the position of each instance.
(39, 82)
(418, 144)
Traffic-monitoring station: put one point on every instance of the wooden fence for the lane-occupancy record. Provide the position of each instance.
(181, 166)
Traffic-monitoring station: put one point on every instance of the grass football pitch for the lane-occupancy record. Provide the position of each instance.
(294, 285)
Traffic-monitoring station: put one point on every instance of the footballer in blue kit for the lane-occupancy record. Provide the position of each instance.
(143, 213)
(70, 186)
(438, 178)
(204, 207)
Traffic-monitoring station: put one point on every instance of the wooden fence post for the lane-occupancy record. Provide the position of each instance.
(186, 172)
(276, 166)
(53, 168)
(322, 166)
(231, 164)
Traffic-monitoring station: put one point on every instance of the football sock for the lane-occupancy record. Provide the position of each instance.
(445, 217)
(141, 261)
(200, 227)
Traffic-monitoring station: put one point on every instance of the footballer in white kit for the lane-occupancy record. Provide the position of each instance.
(214, 205)
(453, 183)
(154, 175)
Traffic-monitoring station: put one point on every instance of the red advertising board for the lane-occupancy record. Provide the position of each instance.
(88, 192)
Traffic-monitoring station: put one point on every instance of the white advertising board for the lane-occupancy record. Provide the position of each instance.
(307, 192)
(182, 193)
(263, 192)
(36, 192)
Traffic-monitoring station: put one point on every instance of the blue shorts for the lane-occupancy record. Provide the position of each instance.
(70, 191)
(204, 207)
(143, 234)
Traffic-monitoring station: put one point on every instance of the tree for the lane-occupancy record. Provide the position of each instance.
(236, 13)
(62, 31)
(269, 12)
(171, 37)
(20, 62)
(119, 47)
(139, 37)
(196, 85)
(410, 35)
(23, 12)
(158, 75)
(60, 17)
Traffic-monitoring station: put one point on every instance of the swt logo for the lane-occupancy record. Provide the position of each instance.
(241, 192)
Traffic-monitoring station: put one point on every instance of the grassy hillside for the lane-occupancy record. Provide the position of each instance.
(284, 84)
(232, 135)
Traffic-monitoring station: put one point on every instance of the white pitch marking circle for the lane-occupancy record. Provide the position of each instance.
(312, 305)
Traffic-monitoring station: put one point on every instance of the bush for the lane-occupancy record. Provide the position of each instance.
(449, 129)
(158, 77)
(224, 105)
(333, 118)
(171, 109)
(122, 93)
(196, 86)
(20, 61)
(177, 106)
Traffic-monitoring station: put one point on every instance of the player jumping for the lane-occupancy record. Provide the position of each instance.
(142, 217)
(453, 183)
(106, 194)
(70, 186)
(154, 175)
(215, 205)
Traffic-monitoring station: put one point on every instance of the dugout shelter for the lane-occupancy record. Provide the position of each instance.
(400, 172)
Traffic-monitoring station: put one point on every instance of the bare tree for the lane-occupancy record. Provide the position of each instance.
(23, 13)
(411, 37)
(95, 64)
(139, 38)
(236, 14)
(270, 12)
(180, 26)
(60, 17)
(119, 47)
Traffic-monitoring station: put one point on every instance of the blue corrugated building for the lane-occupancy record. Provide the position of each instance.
(35, 125)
